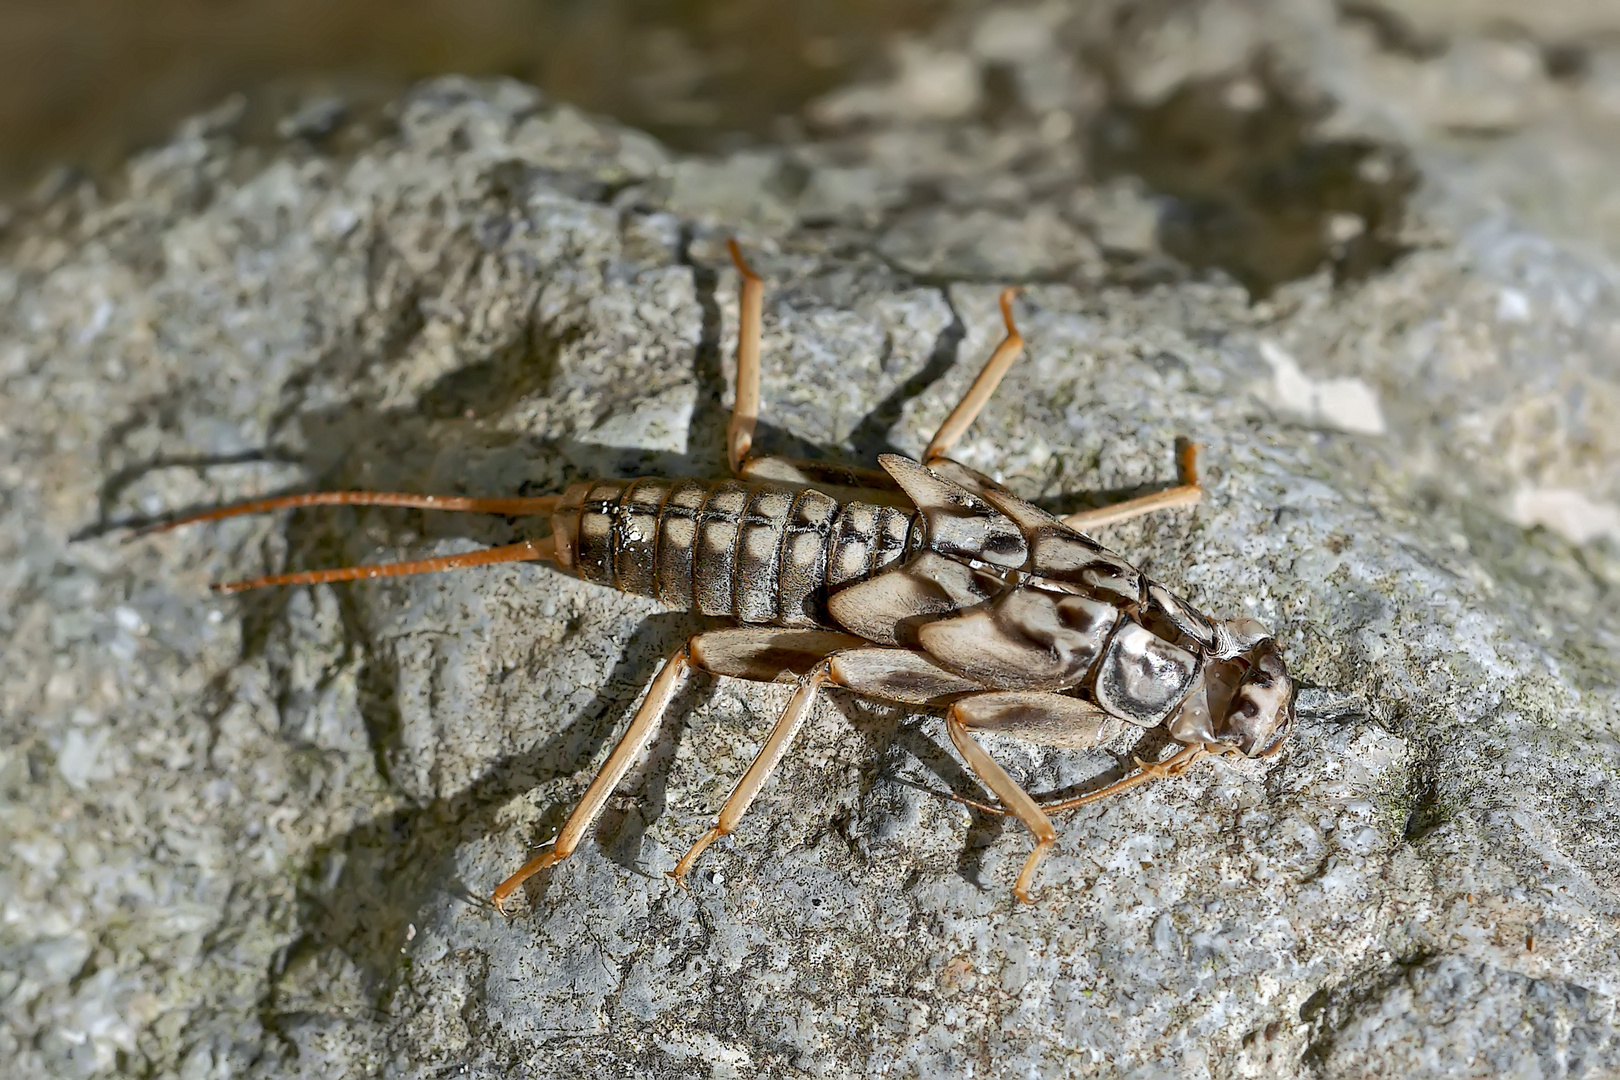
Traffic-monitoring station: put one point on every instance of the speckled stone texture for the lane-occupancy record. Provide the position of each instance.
(250, 836)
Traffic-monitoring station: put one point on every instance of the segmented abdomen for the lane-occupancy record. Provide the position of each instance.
(756, 551)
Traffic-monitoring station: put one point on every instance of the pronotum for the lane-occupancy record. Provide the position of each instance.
(924, 583)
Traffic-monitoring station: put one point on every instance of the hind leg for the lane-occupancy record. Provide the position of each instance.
(760, 655)
(646, 721)
(745, 411)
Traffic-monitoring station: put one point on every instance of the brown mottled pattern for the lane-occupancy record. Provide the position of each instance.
(635, 535)
(1162, 605)
(714, 559)
(1027, 639)
(887, 608)
(759, 551)
(594, 548)
(850, 557)
(889, 537)
(865, 540)
(677, 536)
(803, 573)
(1075, 558)
(1142, 677)
(898, 675)
(763, 553)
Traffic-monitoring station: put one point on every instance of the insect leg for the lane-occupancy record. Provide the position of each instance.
(766, 654)
(745, 413)
(1174, 765)
(1013, 797)
(1185, 493)
(635, 739)
(765, 763)
(819, 473)
(967, 410)
(1047, 719)
(542, 550)
(1145, 771)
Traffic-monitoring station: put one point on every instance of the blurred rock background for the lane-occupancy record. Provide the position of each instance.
(84, 82)
(1523, 99)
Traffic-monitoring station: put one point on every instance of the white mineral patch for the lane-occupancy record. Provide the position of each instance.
(1347, 404)
(80, 755)
(659, 423)
(1513, 306)
(1567, 512)
(928, 84)
(1011, 35)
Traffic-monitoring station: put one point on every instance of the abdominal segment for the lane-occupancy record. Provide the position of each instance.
(760, 552)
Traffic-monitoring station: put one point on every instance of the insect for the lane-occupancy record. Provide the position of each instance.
(923, 584)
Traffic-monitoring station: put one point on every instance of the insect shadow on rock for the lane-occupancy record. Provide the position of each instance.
(923, 583)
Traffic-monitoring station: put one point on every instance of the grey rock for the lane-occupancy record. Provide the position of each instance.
(314, 119)
(250, 836)
(1497, 1022)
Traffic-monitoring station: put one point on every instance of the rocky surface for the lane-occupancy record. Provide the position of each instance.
(1359, 259)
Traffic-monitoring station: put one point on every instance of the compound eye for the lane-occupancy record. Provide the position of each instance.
(1260, 708)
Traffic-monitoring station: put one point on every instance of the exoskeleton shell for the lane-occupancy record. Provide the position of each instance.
(1026, 639)
(1072, 617)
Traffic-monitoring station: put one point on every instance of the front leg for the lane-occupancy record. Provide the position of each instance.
(1051, 719)
(1174, 765)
